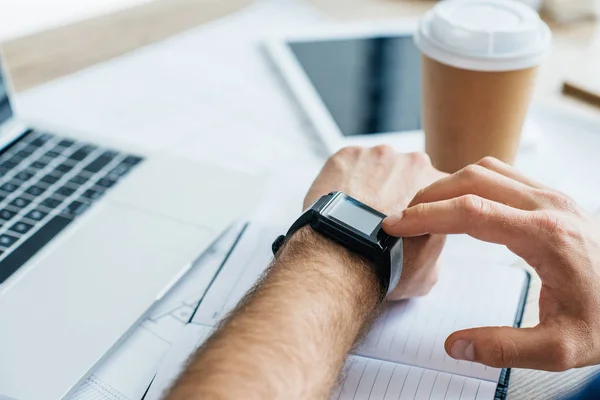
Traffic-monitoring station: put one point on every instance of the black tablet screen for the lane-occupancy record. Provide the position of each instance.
(369, 85)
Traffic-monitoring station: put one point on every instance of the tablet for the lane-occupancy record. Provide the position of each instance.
(358, 84)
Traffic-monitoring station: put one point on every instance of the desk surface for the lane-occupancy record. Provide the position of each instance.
(43, 57)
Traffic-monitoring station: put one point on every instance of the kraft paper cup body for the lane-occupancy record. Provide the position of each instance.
(480, 59)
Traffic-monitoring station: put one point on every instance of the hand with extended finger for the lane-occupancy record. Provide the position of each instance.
(493, 202)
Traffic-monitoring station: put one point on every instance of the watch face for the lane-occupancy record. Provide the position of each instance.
(355, 215)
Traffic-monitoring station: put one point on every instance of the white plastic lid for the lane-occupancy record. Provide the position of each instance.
(484, 35)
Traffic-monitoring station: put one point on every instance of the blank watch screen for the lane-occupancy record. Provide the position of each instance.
(355, 216)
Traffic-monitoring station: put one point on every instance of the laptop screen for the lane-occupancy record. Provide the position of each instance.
(5, 109)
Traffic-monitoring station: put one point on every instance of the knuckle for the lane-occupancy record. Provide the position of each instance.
(348, 152)
(383, 151)
(489, 162)
(472, 206)
(471, 172)
(419, 158)
(561, 201)
(553, 224)
(344, 157)
(547, 221)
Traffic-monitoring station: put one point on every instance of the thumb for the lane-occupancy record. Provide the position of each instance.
(504, 347)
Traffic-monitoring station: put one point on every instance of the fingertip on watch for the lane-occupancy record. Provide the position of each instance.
(392, 220)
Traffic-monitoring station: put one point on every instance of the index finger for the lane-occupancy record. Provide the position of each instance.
(480, 218)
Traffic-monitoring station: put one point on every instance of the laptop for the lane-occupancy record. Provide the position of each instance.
(92, 235)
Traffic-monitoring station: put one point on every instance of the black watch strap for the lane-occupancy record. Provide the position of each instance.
(387, 274)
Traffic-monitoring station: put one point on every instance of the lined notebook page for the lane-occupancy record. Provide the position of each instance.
(467, 295)
(381, 380)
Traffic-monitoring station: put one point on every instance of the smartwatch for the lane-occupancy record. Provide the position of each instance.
(358, 228)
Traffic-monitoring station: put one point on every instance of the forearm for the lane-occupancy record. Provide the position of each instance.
(289, 337)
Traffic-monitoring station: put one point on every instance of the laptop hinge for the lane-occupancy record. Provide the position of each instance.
(10, 131)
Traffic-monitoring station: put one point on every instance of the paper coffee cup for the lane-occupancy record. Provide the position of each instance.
(480, 59)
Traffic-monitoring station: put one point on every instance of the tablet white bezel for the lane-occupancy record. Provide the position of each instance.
(310, 100)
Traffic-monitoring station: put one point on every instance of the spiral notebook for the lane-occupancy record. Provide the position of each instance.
(402, 357)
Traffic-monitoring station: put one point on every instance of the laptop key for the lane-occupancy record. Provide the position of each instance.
(92, 194)
(10, 187)
(29, 149)
(51, 154)
(7, 215)
(122, 169)
(49, 179)
(107, 182)
(66, 143)
(35, 190)
(24, 175)
(38, 165)
(62, 169)
(82, 153)
(7, 240)
(77, 208)
(21, 228)
(41, 140)
(8, 164)
(20, 202)
(51, 202)
(31, 246)
(24, 153)
(132, 160)
(100, 162)
(78, 180)
(58, 148)
(65, 191)
(36, 215)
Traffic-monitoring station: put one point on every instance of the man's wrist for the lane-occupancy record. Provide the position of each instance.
(316, 300)
(351, 272)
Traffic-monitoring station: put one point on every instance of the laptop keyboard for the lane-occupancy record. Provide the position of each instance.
(46, 182)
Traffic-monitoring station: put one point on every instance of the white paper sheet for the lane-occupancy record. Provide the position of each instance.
(128, 371)
(175, 361)
(243, 268)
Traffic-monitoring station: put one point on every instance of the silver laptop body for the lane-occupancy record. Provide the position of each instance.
(92, 235)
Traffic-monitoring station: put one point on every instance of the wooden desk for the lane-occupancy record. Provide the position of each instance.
(43, 57)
